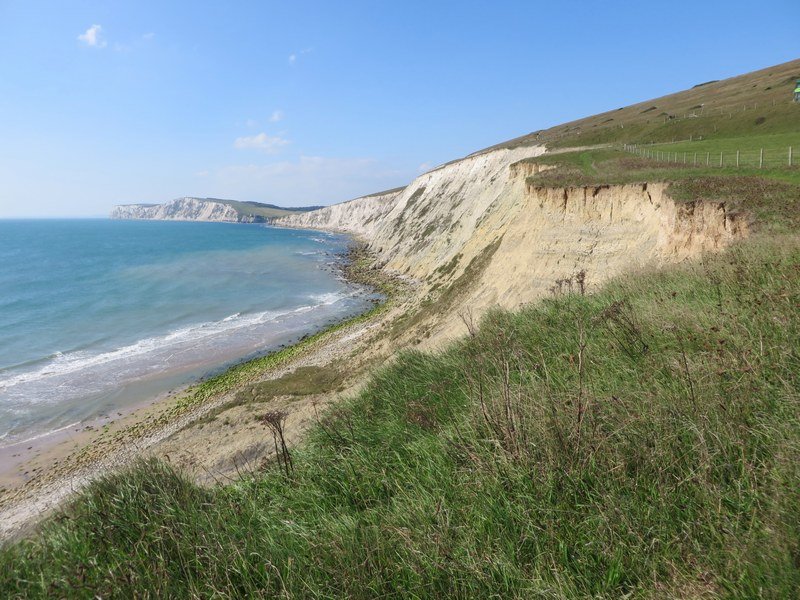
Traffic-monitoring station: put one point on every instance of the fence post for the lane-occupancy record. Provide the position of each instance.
(684, 158)
(708, 158)
(737, 159)
(761, 159)
(721, 164)
(790, 156)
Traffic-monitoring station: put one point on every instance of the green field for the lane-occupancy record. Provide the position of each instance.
(258, 209)
(755, 104)
(615, 166)
(775, 149)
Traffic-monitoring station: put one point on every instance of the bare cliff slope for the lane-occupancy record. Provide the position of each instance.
(478, 227)
(180, 209)
(361, 216)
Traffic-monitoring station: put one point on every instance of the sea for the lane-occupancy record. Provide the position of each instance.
(97, 315)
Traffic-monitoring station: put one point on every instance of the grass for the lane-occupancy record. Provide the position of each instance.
(775, 150)
(267, 211)
(771, 195)
(754, 104)
(643, 441)
(302, 381)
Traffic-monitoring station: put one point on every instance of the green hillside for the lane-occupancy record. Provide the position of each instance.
(259, 209)
(757, 103)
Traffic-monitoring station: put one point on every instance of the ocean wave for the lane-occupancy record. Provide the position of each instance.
(38, 436)
(60, 364)
(328, 298)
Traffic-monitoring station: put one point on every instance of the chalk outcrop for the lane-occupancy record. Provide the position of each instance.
(183, 209)
(361, 216)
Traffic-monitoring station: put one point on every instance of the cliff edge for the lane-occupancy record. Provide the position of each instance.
(478, 233)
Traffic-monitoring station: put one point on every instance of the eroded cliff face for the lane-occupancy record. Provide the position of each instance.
(482, 224)
(182, 209)
(592, 233)
(360, 217)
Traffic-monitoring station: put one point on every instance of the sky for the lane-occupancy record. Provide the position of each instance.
(298, 103)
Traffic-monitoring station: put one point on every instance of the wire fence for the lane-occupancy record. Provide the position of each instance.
(762, 158)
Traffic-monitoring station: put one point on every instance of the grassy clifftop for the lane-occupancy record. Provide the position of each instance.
(259, 209)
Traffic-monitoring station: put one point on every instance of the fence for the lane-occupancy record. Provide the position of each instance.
(761, 158)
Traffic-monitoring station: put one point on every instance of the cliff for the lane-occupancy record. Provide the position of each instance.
(205, 209)
(481, 227)
(361, 216)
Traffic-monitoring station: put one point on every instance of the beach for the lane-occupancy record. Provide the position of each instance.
(42, 474)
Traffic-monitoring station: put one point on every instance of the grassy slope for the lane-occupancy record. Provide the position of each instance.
(259, 209)
(758, 103)
(643, 440)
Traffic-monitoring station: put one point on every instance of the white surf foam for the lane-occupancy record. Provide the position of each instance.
(74, 362)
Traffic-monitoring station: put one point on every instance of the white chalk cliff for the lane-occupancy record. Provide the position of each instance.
(183, 209)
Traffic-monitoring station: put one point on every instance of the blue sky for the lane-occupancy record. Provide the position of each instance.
(316, 102)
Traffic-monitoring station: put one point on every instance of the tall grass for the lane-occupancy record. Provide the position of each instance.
(640, 442)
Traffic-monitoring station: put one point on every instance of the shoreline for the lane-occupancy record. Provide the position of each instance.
(105, 445)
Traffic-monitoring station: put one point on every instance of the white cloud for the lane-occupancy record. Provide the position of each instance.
(148, 36)
(277, 115)
(93, 37)
(426, 166)
(261, 141)
(295, 55)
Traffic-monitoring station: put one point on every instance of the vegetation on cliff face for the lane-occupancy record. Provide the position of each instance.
(644, 440)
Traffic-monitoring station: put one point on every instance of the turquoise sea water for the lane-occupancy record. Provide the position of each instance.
(97, 314)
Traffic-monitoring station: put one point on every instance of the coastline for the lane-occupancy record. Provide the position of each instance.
(100, 447)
